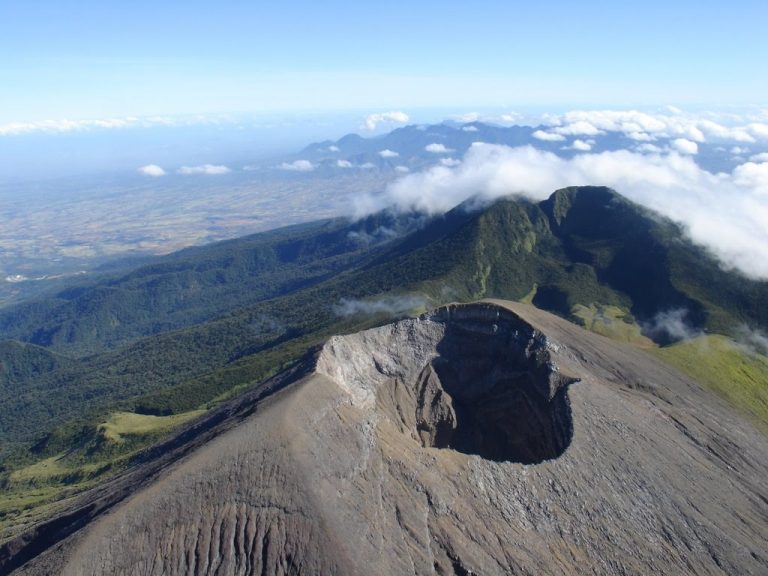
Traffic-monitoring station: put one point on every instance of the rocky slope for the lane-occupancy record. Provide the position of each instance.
(489, 438)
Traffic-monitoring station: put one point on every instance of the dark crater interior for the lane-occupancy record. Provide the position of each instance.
(493, 392)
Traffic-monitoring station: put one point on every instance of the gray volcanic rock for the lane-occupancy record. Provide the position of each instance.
(490, 438)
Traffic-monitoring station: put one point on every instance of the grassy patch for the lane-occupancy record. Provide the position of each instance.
(528, 298)
(38, 490)
(736, 373)
(612, 322)
(122, 425)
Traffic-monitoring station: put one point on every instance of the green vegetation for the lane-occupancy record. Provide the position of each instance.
(33, 491)
(738, 374)
(612, 322)
(121, 426)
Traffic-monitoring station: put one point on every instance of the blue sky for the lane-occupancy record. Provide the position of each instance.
(88, 59)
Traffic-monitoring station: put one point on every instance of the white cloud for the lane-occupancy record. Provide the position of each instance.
(759, 130)
(208, 169)
(343, 164)
(508, 118)
(388, 153)
(727, 213)
(65, 125)
(640, 136)
(333, 148)
(581, 145)
(671, 324)
(754, 176)
(386, 305)
(578, 128)
(469, 128)
(436, 148)
(152, 170)
(449, 162)
(649, 148)
(762, 157)
(402, 169)
(548, 136)
(297, 166)
(367, 165)
(646, 126)
(685, 146)
(373, 120)
(736, 150)
(468, 117)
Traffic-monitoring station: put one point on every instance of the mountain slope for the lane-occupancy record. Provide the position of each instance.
(488, 438)
(196, 284)
(583, 246)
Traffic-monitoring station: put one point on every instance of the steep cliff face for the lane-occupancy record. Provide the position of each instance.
(490, 438)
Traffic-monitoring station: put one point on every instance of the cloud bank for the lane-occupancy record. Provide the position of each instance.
(726, 213)
(65, 125)
(372, 121)
(672, 123)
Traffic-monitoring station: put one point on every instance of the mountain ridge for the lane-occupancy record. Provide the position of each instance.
(586, 253)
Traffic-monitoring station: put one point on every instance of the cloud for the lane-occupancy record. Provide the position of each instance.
(343, 164)
(578, 128)
(726, 213)
(373, 120)
(649, 148)
(685, 146)
(581, 146)
(504, 118)
(647, 126)
(762, 157)
(759, 130)
(152, 170)
(333, 148)
(207, 169)
(402, 169)
(468, 117)
(65, 125)
(388, 153)
(548, 136)
(640, 136)
(449, 162)
(436, 148)
(297, 166)
(508, 118)
(386, 305)
(755, 340)
(670, 326)
(469, 128)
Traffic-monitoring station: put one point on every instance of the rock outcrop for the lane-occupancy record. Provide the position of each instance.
(489, 438)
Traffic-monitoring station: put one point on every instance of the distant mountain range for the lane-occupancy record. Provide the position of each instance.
(417, 146)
